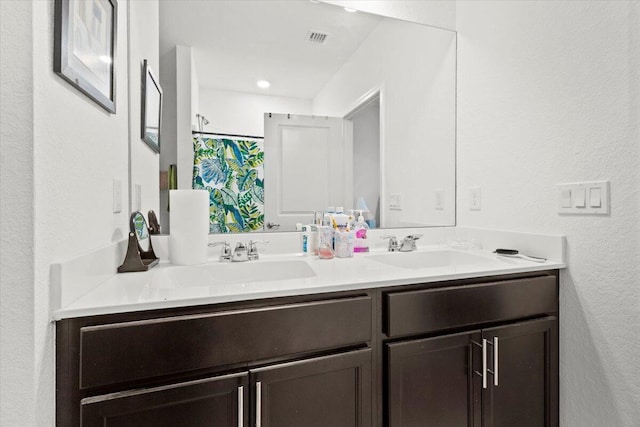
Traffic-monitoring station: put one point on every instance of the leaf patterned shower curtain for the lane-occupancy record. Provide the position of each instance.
(232, 170)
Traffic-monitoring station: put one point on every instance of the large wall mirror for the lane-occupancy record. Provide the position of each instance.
(297, 106)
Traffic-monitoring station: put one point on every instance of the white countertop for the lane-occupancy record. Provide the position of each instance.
(169, 286)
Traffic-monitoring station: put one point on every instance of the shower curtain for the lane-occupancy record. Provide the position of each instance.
(232, 170)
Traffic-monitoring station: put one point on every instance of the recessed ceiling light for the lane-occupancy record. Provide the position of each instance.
(348, 9)
(263, 84)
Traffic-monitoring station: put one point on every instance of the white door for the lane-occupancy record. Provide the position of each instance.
(307, 168)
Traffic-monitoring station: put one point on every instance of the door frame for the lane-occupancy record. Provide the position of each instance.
(377, 91)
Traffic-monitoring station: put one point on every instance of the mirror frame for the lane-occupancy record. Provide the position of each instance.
(150, 86)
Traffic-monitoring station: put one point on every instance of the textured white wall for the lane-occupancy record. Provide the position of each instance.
(243, 113)
(16, 216)
(79, 149)
(143, 44)
(548, 93)
(60, 155)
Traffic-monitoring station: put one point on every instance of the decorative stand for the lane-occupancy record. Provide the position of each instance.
(138, 259)
(154, 225)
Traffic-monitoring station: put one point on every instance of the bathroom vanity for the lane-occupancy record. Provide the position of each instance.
(476, 349)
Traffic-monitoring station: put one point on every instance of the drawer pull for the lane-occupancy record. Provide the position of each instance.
(240, 406)
(494, 372)
(258, 404)
(483, 374)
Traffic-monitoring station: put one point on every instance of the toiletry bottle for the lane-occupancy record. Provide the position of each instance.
(313, 238)
(305, 240)
(325, 242)
(341, 219)
(360, 229)
(344, 244)
(352, 218)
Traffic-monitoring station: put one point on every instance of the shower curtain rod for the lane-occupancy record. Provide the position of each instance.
(227, 134)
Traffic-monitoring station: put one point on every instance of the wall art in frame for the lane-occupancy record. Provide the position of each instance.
(151, 108)
(85, 47)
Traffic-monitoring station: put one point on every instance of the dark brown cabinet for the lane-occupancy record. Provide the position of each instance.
(526, 390)
(276, 363)
(496, 377)
(404, 356)
(488, 355)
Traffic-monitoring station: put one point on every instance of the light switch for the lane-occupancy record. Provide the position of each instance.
(583, 198)
(579, 198)
(595, 199)
(117, 196)
(565, 196)
(439, 200)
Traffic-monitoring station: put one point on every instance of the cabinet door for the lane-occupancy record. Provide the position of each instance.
(219, 401)
(431, 382)
(527, 390)
(326, 391)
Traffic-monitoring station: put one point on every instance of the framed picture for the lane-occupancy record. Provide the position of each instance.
(151, 108)
(85, 47)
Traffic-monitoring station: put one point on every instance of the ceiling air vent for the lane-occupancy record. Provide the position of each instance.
(317, 37)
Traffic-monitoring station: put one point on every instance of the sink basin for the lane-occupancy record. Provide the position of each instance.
(430, 259)
(220, 273)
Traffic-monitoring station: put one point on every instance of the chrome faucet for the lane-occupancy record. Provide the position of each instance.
(252, 253)
(240, 253)
(409, 243)
(225, 253)
(393, 243)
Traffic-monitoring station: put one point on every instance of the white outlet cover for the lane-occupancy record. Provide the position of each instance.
(475, 199)
(395, 202)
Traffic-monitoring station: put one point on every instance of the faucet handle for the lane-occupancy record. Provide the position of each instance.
(393, 242)
(225, 253)
(409, 243)
(253, 250)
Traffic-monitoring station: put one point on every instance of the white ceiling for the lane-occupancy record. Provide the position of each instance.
(236, 43)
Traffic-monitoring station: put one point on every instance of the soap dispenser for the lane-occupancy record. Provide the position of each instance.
(360, 228)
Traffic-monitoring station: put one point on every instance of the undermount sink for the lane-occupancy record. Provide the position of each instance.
(229, 273)
(430, 259)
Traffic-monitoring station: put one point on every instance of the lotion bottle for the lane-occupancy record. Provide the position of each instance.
(360, 229)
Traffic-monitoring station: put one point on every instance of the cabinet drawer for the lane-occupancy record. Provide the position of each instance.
(415, 312)
(121, 352)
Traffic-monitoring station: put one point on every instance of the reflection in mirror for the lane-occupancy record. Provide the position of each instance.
(359, 112)
(138, 225)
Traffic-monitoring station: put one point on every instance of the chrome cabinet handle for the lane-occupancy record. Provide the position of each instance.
(495, 361)
(483, 374)
(272, 225)
(258, 404)
(494, 371)
(240, 406)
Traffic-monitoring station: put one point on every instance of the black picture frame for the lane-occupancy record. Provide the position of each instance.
(85, 47)
(151, 123)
